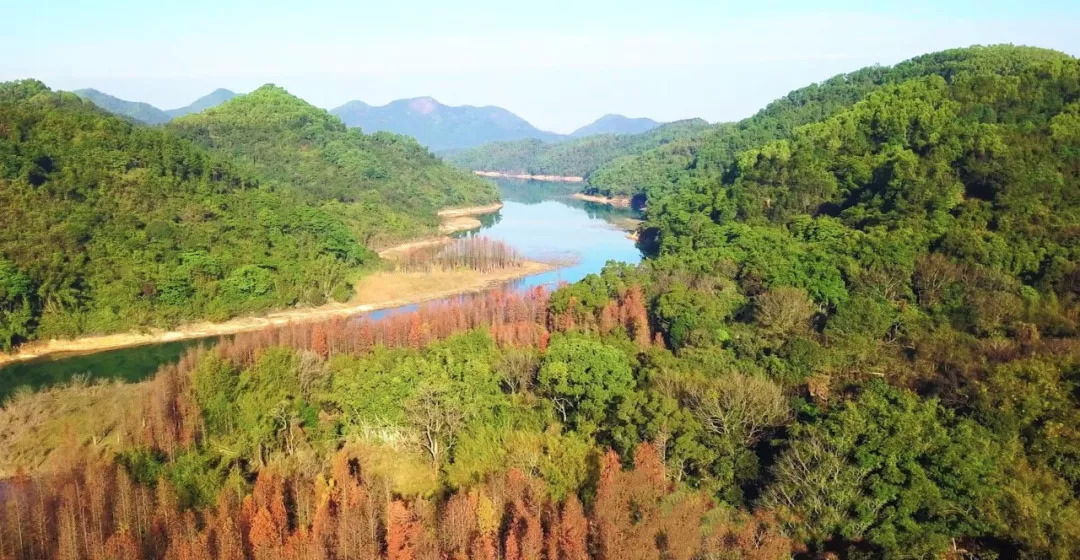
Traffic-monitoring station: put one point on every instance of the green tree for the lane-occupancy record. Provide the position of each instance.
(16, 305)
(890, 469)
(585, 380)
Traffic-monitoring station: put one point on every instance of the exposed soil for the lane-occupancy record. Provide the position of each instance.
(618, 201)
(551, 178)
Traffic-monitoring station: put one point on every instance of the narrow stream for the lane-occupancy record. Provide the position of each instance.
(538, 218)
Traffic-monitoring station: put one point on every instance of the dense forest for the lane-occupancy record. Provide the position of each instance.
(575, 158)
(856, 336)
(110, 225)
(708, 155)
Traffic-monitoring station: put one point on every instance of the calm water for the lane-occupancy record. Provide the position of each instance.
(538, 218)
(544, 223)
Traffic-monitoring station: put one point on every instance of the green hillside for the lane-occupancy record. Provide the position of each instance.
(388, 186)
(110, 225)
(708, 155)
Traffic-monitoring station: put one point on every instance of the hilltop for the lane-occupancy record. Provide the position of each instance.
(616, 124)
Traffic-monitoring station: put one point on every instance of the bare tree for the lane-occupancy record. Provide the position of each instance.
(739, 408)
(518, 369)
(437, 412)
(784, 310)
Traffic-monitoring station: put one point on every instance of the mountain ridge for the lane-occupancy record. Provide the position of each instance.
(137, 110)
(147, 113)
(439, 126)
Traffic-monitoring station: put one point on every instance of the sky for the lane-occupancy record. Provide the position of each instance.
(558, 64)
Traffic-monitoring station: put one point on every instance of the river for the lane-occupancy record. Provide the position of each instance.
(538, 218)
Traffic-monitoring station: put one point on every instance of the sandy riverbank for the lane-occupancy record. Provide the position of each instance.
(618, 201)
(469, 211)
(552, 178)
(463, 219)
(380, 290)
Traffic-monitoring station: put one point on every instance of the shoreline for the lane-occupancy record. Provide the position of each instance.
(618, 201)
(454, 219)
(526, 176)
(471, 282)
(470, 210)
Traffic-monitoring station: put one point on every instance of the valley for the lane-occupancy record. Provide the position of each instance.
(560, 243)
(846, 326)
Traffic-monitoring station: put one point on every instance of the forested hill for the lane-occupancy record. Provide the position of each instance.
(393, 185)
(441, 127)
(708, 155)
(110, 225)
(924, 236)
(578, 157)
(860, 338)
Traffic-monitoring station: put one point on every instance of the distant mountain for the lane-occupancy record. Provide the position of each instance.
(577, 157)
(212, 99)
(142, 112)
(441, 127)
(616, 124)
(147, 113)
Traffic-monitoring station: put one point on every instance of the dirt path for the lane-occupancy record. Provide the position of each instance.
(380, 290)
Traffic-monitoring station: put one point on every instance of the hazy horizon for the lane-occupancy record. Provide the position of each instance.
(555, 66)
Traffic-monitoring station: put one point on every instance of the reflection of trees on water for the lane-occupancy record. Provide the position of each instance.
(486, 221)
(534, 192)
(130, 365)
(605, 212)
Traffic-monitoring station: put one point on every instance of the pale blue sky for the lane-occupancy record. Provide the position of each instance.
(557, 63)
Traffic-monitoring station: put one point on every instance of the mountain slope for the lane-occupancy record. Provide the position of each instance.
(578, 157)
(952, 156)
(438, 126)
(926, 237)
(212, 99)
(264, 202)
(110, 225)
(616, 124)
(142, 112)
(709, 154)
(278, 137)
